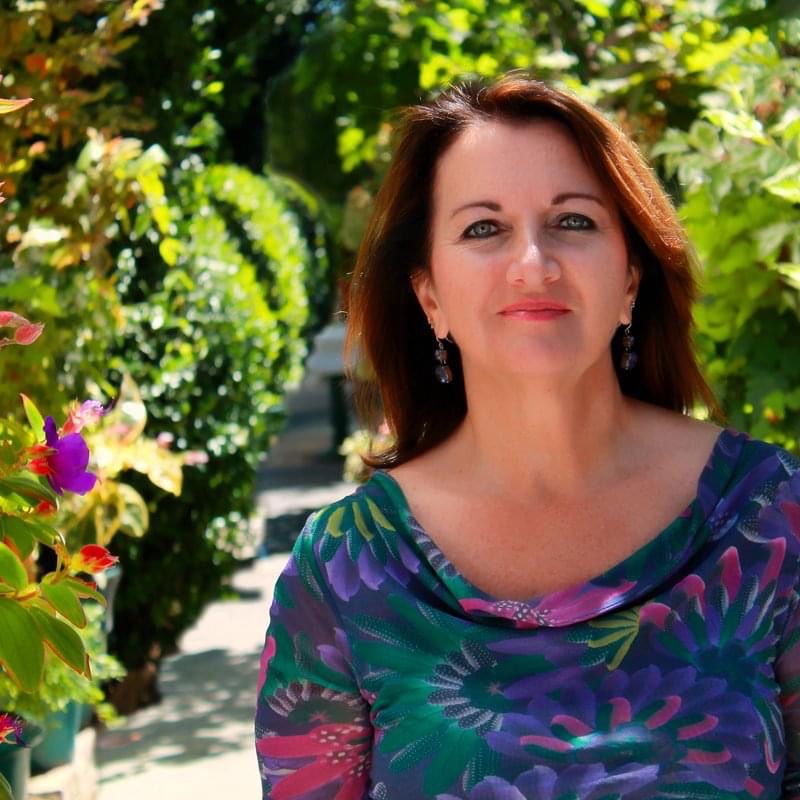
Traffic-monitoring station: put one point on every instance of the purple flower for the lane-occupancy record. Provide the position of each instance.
(65, 465)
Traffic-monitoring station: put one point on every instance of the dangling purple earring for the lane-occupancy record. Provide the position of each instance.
(629, 357)
(443, 372)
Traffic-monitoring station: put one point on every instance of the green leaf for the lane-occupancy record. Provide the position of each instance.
(791, 272)
(30, 489)
(23, 540)
(785, 183)
(64, 599)
(21, 646)
(34, 417)
(597, 8)
(17, 527)
(83, 589)
(5, 789)
(771, 237)
(739, 124)
(12, 570)
(170, 249)
(63, 640)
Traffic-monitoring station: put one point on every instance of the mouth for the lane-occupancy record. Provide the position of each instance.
(535, 310)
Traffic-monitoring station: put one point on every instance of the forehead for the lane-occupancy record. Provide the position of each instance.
(503, 159)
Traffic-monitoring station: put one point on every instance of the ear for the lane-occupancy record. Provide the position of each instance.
(631, 292)
(424, 289)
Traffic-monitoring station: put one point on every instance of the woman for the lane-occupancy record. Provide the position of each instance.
(557, 584)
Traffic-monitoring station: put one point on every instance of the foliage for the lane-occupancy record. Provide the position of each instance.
(62, 685)
(708, 89)
(72, 183)
(739, 165)
(216, 62)
(44, 612)
(119, 446)
(212, 345)
(102, 240)
(646, 63)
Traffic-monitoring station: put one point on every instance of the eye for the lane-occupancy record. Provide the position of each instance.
(575, 222)
(482, 229)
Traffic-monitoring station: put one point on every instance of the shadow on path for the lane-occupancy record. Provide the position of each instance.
(208, 711)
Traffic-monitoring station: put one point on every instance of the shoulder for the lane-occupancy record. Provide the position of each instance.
(368, 511)
(772, 477)
(761, 498)
(357, 542)
(762, 466)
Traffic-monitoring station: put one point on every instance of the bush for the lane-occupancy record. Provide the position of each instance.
(212, 349)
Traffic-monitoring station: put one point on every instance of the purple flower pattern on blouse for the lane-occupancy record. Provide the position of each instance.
(674, 674)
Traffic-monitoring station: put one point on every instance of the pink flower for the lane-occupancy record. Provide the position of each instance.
(88, 413)
(92, 558)
(25, 332)
(341, 752)
(64, 461)
(165, 439)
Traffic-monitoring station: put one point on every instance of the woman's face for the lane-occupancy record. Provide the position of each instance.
(521, 223)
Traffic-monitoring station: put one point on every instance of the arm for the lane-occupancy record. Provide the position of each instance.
(312, 723)
(787, 671)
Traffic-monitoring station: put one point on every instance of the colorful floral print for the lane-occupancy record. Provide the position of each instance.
(675, 674)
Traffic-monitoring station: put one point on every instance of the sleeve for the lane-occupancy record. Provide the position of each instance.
(313, 730)
(787, 671)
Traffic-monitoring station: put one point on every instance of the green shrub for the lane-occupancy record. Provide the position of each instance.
(739, 169)
(213, 348)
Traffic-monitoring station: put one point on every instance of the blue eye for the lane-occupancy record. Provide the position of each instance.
(577, 223)
(482, 229)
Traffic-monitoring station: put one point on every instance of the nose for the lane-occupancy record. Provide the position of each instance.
(531, 264)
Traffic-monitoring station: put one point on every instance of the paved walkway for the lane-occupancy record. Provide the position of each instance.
(198, 742)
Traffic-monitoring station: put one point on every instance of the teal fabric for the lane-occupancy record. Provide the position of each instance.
(675, 674)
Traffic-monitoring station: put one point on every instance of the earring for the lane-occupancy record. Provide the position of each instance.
(629, 357)
(443, 372)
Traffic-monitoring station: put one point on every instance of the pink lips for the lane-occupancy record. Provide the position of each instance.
(535, 310)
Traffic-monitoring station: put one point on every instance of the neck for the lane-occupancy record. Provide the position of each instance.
(552, 438)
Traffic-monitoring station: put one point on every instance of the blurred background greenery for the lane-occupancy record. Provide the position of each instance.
(187, 192)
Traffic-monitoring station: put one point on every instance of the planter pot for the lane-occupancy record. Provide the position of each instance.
(15, 762)
(57, 746)
(15, 767)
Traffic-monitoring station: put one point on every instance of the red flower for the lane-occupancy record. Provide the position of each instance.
(45, 508)
(11, 724)
(92, 558)
(342, 750)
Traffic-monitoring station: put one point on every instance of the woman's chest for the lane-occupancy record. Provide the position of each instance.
(648, 698)
(522, 552)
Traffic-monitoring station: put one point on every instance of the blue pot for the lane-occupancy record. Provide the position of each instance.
(15, 767)
(57, 746)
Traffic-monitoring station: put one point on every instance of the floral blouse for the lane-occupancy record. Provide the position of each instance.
(674, 674)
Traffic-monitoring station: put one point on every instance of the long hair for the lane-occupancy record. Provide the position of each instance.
(386, 326)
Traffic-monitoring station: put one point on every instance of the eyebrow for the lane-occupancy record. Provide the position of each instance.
(557, 200)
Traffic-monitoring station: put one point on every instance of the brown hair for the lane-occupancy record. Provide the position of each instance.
(387, 327)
